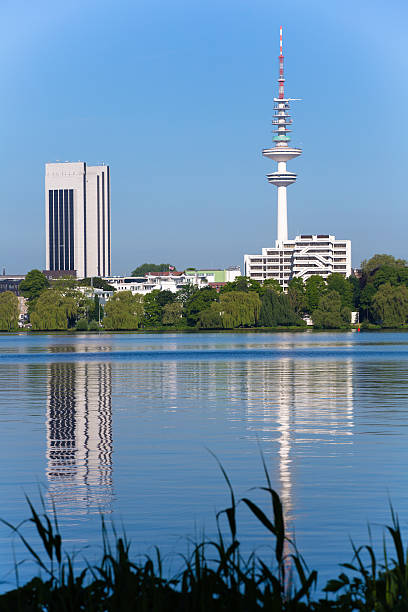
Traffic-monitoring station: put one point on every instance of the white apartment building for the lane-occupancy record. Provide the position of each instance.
(78, 218)
(303, 257)
(141, 285)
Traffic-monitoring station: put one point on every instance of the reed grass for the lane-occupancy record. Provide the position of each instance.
(214, 576)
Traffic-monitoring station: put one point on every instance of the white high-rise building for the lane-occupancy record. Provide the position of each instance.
(78, 218)
(308, 254)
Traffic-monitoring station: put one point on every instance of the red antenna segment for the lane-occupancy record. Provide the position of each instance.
(281, 79)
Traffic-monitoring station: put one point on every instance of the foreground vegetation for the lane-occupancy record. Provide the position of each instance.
(380, 297)
(215, 576)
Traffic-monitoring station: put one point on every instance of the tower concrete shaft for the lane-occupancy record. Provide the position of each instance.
(281, 152)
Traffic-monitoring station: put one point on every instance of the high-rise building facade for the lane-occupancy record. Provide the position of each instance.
(308, 254)
(78, 218)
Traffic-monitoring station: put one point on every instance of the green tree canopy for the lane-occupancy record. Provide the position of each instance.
(200, 300)
(272, 283)
(390, 305)
(151, 267)
(315, 287)
(276, 309)
(53, 310)
(238, 309)
(153, 311)
(297, 295)
(242, 283)
(341, 284)
(8, 311)
(378, 260)
(34, 283)
(210, 318)
(172, 313)
(330, 313)
(123, 311)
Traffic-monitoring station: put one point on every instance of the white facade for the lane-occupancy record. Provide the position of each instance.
(303, 257)
(77, 218)
(141, 285)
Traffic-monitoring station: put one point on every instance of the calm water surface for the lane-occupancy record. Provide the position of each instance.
(122, 423)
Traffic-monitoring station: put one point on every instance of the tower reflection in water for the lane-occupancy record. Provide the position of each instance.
(303, 406)
(79, 437)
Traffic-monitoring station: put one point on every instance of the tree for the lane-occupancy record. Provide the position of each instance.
(123, 311)
(378, 260)
(200, 300)
(53, 310)
(238, 309)
(32, 286)
(165, 297)
(331, 314)
(242, 283)
(338, 282)
(315, 287)
(172, 313)
(153, 311)
(276, 309)
(297, 295)
(272, 283)
(366, 300)
(186, 292)
(390, 305)
(209, 319)
(8, 311)
(149, 267)
(356, 290)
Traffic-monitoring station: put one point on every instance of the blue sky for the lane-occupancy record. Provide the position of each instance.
(177, 97)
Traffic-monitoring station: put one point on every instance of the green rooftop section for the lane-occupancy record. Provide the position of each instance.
(219, 275)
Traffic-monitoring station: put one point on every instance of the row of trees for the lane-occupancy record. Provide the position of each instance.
(380, 296)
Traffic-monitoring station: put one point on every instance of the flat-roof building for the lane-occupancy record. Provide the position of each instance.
(78, 218)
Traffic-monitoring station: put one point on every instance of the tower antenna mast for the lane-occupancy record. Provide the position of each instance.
(281, 152)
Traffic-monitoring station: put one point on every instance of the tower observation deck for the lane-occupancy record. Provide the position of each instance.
(281, 152)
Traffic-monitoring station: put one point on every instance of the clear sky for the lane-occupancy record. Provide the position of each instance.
(178, 96)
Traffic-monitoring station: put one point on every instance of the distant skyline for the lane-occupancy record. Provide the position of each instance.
(178, 99)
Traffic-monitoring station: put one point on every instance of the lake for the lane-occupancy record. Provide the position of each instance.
(123, 424)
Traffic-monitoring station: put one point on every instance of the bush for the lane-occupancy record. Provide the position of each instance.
(94, 326)
(82, 325)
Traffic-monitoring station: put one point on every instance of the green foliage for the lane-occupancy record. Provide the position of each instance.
(356, 291)
(150, 267)
(331, 314)
(272, 283)
(238, 309)
(315, 287)
(242, 283)
(339, 283)
(378, 260)
(97, 282)
(390, 305)
(297, 295)
(153, 311)
(123, 311)
(200, 300)
(186, 292)
(33, 285)
(210, 318)
(82, 325)
(276, 309)
(94, 325)
(8, 311)
(54, 310)
(165, 297)
(172, 313)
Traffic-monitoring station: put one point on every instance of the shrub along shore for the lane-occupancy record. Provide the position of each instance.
(214, 576)
(380, 296)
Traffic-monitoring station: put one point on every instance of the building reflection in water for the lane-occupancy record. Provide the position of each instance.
(79, 436)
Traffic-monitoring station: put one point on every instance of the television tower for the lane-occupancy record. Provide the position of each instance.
(281, 152)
